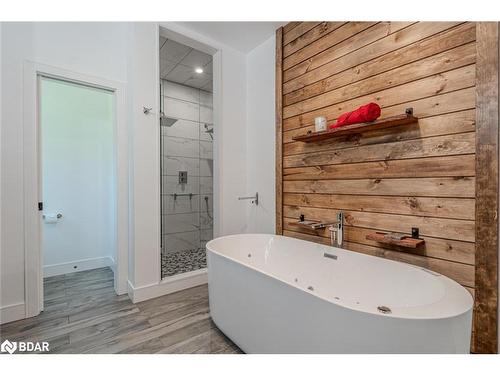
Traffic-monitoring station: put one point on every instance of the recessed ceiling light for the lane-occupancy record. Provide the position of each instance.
(198, 70)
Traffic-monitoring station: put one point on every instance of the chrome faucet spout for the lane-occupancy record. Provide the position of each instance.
(337, 231)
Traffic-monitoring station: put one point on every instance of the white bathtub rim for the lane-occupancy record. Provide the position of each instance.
(409, 313)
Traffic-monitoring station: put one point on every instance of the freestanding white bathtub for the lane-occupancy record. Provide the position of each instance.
(275, 294)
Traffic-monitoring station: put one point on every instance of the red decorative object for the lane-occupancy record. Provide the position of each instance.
(366, 113)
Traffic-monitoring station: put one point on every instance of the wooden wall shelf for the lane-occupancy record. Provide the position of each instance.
(405, 242)
(405, 119)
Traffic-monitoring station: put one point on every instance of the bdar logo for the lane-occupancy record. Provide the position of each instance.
(8, 346)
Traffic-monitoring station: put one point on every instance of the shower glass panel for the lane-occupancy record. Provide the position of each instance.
(186, 128)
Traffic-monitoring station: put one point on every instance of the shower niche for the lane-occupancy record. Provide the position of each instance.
(186, 151)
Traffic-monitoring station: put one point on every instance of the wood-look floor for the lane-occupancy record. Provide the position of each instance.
(84, 315)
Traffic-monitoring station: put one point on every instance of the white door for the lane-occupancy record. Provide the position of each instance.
(78, 177)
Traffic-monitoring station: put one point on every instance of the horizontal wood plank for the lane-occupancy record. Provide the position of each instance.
(443, 62)
(375, 47)
(362, 63)
(448, 166)
(299, 29)
(342, 75)
(460, 187)
(329, 41)
(290, 26)
(310, 31)
(452, 208)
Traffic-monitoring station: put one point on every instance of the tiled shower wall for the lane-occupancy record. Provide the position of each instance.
(186, 224)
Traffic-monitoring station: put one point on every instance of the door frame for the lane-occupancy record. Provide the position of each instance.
(173, 31)
(32, 178)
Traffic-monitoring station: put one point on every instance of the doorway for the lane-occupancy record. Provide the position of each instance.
(186, 156)
(78, 177)
(76, 189)
(189, 77)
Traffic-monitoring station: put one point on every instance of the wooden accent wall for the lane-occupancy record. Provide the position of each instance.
(421, 175)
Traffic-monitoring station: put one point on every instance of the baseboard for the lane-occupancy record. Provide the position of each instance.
(170, 285)
(77, 266)
(12, 312)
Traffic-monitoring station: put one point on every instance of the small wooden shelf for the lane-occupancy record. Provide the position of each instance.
(405, 119)
(405, 242)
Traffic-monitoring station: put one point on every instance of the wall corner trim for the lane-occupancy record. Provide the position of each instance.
(487, 132)
(279, 130)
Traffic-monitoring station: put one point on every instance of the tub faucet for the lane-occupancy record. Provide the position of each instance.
(337, 231)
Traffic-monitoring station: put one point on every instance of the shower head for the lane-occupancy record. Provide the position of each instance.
(167, 121)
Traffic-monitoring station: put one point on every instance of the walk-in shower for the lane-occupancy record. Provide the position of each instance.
(186, 129)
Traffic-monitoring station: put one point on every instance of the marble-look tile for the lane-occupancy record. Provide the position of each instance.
(180, 147)
(170, 185)
(198, 80)
(173, 164)
(206, 150)
(166, 67)
(206, 185)
(182, 129)
(173, 51)
(209, 68)
(180, 242)
(181, 109)
(181, 74)
(206, 167)
(206, 115)
(206, 199)
(197, 59)
(180, 223)
(206, 234)
(206, 220)
(180, 205)
(204, 136)
(206, 99)
(176, 91)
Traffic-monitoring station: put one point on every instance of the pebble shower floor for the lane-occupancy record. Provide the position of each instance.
(183, 261)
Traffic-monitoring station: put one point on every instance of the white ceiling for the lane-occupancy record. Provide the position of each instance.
(242, 36)
(178, 63)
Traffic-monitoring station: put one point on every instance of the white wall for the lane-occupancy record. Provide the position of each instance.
(260, 136)
(143, 66)
(97, 49)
